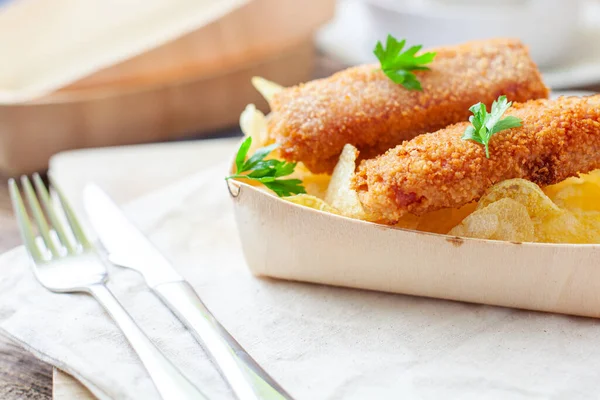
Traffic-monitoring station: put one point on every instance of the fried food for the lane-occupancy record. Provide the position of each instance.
(551, 223)
(266, 88)
(518, 210)
(558, 139)
(579, 194)
(253, 123)
(363, 107)
(505, 219)
(441, 221)
(311, 201)
(340, 194)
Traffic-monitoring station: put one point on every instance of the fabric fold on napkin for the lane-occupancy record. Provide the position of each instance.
(319, 342)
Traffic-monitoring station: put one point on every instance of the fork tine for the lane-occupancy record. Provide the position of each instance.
(71, 217)
(24, 222)
(55, 222)
(38, 215)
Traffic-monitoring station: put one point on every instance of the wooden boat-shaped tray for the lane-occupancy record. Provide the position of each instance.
(288, 241)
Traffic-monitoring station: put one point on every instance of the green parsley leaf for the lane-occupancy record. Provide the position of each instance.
(397, 65)
(484, 124)
(267, 172)
(242, 153)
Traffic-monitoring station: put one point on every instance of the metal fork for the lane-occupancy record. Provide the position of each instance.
(65, 261)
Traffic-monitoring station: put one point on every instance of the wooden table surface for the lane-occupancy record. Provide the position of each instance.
(22, 376)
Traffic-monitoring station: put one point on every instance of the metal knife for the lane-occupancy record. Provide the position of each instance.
(127, 245)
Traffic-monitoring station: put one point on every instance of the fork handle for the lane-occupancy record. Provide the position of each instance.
(168, 380)
(245, 377)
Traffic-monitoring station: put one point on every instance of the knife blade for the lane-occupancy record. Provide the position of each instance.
(129, 248)
(123, 241)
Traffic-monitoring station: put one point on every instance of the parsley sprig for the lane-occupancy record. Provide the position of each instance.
(397, 65)
(484, 124)
(267, 172)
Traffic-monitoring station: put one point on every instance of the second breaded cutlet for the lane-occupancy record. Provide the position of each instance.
(558, 139)
(312, 122)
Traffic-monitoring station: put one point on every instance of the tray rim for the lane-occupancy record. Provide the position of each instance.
(457, 240)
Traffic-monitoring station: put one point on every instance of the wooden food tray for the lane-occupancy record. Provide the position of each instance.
(31, 133)
(195, 84)
(292, 242)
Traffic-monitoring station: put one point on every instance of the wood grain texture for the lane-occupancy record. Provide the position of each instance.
(22, 376)
(246, 35)
(33, 132)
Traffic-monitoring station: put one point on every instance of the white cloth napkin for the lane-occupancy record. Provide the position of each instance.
(319, 342)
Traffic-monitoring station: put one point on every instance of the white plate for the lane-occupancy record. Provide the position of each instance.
(350, 38)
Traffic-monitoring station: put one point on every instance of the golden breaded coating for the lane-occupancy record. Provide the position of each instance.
(363, 107)
(558, 139)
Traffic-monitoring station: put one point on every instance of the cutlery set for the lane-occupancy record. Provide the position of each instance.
(64, 260)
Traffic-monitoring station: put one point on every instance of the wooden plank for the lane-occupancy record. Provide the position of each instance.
(22, 376)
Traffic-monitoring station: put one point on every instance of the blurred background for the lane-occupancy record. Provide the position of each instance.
(90, 73)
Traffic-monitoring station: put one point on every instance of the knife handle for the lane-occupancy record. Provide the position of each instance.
(245, 377)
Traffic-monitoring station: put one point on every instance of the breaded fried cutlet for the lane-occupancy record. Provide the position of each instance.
(312, 122)
(558, 139)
